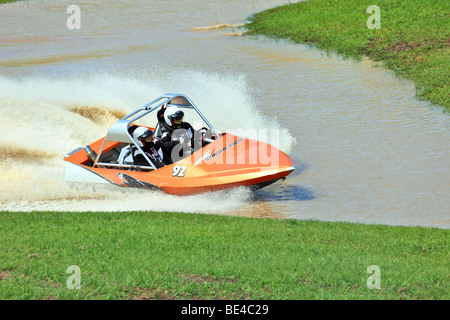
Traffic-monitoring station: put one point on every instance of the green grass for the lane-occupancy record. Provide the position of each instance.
(147, 255)
(413, 41)
(8, 1)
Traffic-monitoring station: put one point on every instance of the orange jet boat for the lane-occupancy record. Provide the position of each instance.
(221, 160)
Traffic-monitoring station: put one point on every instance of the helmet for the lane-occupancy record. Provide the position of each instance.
(140, 134)
(173, 117)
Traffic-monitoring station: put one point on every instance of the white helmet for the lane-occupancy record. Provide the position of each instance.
(173, 117)
(141, 134)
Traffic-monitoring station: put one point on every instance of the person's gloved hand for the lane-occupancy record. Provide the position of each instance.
(184, 139)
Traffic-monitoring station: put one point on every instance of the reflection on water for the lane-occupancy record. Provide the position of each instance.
(284, 193)
(365, 149)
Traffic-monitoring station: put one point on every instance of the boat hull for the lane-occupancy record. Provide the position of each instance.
(228, 162)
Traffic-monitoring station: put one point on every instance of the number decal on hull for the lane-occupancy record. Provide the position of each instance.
(178, 171)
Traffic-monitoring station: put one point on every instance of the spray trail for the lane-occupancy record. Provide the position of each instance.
(43, 119)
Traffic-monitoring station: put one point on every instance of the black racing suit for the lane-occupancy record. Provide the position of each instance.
(169, 138)
(150, 148)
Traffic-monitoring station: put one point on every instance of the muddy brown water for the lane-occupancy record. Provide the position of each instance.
(366, 150)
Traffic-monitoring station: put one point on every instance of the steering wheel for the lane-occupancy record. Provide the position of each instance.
(206, 130)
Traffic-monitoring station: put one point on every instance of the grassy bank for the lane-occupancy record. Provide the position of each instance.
(413, 41)
(187, 256)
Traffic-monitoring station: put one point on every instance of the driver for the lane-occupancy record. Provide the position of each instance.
(176, 136)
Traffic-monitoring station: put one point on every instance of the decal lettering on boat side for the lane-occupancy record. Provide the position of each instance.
(203, 158)
(208, 156)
